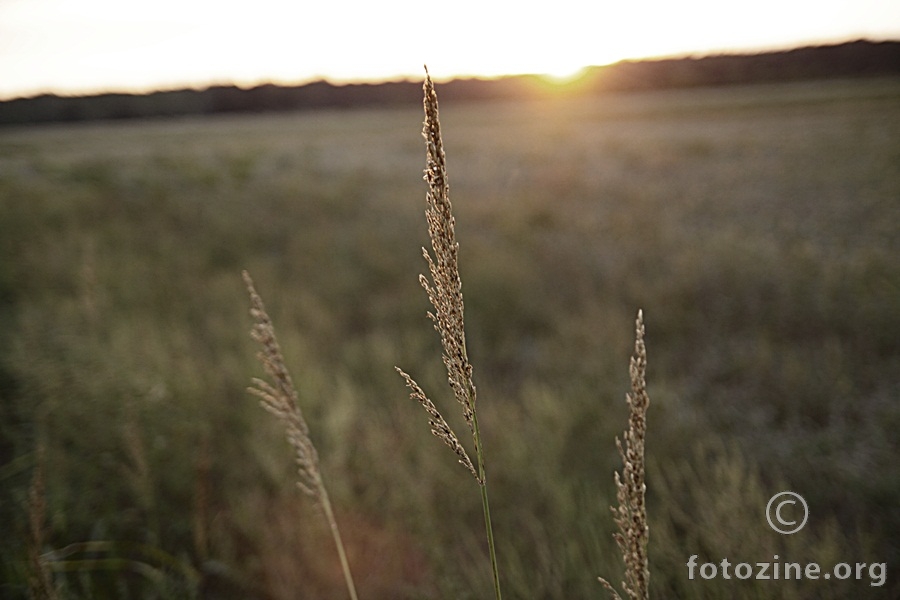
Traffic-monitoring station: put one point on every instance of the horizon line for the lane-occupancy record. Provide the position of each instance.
(400, 77)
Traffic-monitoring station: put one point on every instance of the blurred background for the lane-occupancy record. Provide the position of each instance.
(737, 179)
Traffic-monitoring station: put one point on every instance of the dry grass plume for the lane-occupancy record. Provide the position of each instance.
(444, 290)
(279, 397)
(631, 514)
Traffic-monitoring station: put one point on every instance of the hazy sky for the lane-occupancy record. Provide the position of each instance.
(68, 46)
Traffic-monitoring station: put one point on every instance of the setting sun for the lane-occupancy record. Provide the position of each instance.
(565, 75)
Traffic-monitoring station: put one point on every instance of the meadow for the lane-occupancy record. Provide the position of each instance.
(757, 227)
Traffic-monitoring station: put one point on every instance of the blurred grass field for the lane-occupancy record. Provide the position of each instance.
(757, 227)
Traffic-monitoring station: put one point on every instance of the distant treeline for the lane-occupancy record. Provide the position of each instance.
(853, 59)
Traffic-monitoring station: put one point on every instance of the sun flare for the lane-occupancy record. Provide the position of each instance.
(564, 75)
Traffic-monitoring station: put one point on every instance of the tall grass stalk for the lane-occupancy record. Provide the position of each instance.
(40, 582)
(444, 290)
(280, 398)
(631, 514)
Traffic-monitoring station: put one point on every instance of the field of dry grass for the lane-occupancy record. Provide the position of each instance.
(756, 227)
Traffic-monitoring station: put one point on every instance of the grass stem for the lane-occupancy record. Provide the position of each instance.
(489, 530)
(336, 535)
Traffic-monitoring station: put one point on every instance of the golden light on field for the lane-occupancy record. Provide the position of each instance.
(59, 46)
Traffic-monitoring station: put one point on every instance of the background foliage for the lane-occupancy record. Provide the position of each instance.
(756, 226)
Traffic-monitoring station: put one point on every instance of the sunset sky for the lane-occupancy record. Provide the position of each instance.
(68, 47)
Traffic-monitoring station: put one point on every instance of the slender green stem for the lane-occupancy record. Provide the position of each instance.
(332, 523)
(485, 505)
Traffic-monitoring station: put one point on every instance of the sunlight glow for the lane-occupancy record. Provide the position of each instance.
(564, 76)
